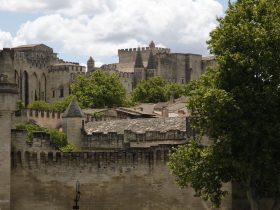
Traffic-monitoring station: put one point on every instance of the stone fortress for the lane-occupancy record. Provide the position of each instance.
(121, 164)
(38, 72)
(136, 64)
(41, 75)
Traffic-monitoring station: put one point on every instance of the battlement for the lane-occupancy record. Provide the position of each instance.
(41, 151)
(109, 67)
(101, 159)
(47, 119)
(144, 50)
(67, 67)
(40, 114)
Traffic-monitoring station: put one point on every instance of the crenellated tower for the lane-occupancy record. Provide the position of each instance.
(90, 65)
(151, 67)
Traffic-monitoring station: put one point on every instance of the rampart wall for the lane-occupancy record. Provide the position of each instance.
(127, 56)
(123, 179)
(129, 139)
(46, 119)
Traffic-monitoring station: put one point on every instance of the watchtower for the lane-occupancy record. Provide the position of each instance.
(90, 65)
(73, 119)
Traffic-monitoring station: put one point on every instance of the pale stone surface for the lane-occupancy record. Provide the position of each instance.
(115, 181)
(8, 97)
(38, 72)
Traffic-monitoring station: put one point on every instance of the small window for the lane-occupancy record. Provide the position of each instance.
(53, 93)
(61, 93)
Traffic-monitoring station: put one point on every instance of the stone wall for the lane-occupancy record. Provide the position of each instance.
(128, 55)
(122, 180)
(46, 119)
(119, 179)
(60, 77)
(8, 97)
(32, 67)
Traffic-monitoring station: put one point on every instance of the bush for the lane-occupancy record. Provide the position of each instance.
(58, 106)
(69, 148)
(58, 138)
(39, 105)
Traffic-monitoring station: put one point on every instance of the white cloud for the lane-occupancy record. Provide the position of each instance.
(6, 39)
(100, 27)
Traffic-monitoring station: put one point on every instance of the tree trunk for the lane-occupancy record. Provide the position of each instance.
(253, 199)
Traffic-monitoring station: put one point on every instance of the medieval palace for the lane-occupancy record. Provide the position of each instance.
(41, 75)
(120, 163)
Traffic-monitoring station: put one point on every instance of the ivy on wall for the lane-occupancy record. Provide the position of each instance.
(57, 138)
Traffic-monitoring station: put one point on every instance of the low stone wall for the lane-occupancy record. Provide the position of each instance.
(46, 119)
(133, 139)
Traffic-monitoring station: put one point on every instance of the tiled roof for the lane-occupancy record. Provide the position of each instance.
(73, 110)
(137, 125)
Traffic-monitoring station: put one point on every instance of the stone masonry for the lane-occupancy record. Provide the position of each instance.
(136, 64)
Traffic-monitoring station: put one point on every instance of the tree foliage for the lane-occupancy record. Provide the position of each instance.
(58, 106)
(99, 90)
(238, 106)
(57, 138)
(156, 90)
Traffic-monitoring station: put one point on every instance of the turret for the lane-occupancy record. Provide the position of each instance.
(152, 45)
(139, 71)
(8, 98)
(73, 119)
(90, 65)
(151, 67)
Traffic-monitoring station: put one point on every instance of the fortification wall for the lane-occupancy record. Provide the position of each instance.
(129, 55)
(114, 140)
(123, 180)
(46, 119)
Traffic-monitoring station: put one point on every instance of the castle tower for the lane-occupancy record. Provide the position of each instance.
(152, 45)
(90, 65)
(72, 123)
(151, 67)
(8, 98)
(139, 71)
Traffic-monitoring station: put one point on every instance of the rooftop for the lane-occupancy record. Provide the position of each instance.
(137, 125)
(73, 110)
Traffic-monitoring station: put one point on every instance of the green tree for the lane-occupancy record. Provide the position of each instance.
(61, 105)
(175, 90)
(99, 90)
(156, 90)
(238, 106)
(152, 90)
(39, 105)
(58, 106)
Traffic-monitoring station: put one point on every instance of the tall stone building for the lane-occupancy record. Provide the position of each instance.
(38, 72)
(136, 64)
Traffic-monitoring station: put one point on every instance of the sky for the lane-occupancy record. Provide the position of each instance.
(77, 29)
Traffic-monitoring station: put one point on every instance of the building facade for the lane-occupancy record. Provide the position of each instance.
(136, 64)
(38, 72)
